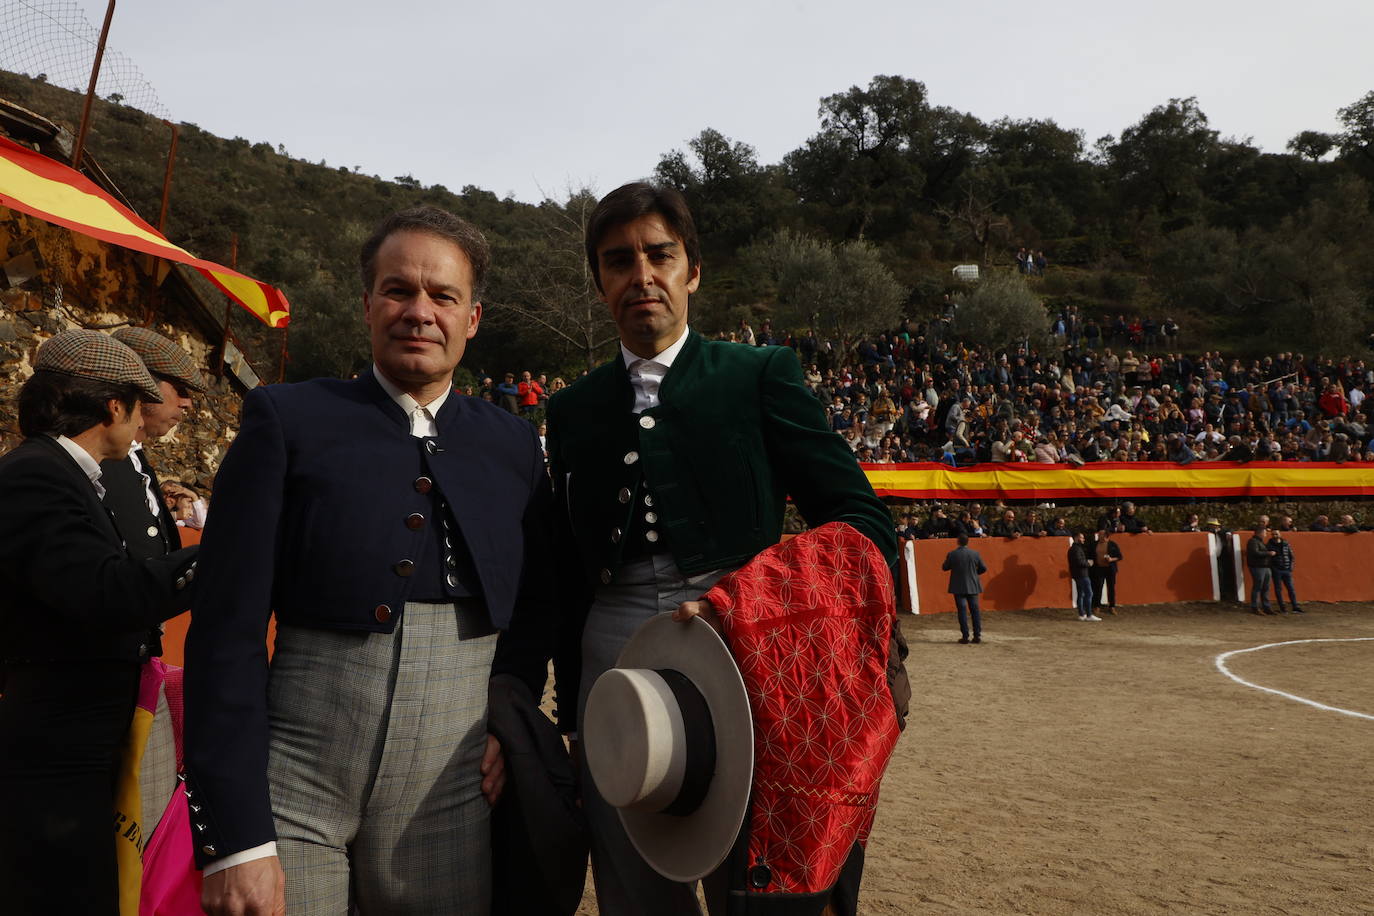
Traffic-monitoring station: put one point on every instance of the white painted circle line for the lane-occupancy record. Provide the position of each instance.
(1221, 666)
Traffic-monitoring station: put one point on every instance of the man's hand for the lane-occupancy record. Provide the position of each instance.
(493, 771)
(255, 888)
(703, 609)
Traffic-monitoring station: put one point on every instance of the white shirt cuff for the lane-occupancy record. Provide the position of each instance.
(238, 858)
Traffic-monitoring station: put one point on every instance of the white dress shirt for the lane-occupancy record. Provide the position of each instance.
(152, 499)
(85, 460)
(646, 375)
(422, 417)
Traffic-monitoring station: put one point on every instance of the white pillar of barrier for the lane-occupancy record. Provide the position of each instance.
(1214, 551)
(1240, 571)
(909, 560)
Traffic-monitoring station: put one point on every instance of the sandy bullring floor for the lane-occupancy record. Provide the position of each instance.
(1102, 768)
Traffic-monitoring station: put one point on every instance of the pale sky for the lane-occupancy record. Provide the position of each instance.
(528, 99)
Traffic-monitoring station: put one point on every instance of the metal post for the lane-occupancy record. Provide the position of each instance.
(90, 90)
(285, 356)
(229, 305)
(167, 179)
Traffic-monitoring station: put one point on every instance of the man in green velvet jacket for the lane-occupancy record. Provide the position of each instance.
(672, 464)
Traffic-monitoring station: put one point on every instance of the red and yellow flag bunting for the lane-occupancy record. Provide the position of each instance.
(1119, 480)
(34, 184)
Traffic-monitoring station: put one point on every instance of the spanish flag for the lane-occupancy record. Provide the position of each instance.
(1122, 480)
(34, 184)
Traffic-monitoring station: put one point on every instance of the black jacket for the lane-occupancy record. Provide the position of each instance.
(315, 510)
(68, 588)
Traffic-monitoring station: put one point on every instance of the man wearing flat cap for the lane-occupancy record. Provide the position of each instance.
(671, 466)
(79, 617)
(133, 493)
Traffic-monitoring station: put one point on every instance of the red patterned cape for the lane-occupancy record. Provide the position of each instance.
(808, 622)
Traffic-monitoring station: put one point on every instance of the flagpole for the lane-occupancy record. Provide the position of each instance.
(90, 90)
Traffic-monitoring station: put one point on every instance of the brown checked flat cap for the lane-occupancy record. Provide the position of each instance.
(93, 355)
(161, 356)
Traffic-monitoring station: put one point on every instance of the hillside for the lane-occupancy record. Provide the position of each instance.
(1242, 248)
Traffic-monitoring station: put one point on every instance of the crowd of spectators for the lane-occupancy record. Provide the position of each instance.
(1117, 390)
(1102, 392)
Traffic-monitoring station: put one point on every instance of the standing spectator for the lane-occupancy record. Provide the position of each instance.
(1257, 557)
(529, 392)
(1080, 567)
(1191, 524)
(1281, 567)
(1106, 554)
(509, 394)
(964, 566)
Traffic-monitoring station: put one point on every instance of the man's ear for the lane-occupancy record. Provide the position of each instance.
(474, 319)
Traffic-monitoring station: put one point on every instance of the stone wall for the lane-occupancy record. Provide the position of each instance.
(54, 280)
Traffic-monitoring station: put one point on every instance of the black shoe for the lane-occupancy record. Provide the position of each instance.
(963, 640)
(1298, 610)
(1281, 610)
(977, 639)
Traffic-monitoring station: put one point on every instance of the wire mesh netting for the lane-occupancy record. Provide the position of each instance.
(54, 40)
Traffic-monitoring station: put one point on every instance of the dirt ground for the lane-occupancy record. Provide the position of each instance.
(1102, 768)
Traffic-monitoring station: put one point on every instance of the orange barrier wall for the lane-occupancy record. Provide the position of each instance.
(174, 639)
(1327, 566)
(1033, 572)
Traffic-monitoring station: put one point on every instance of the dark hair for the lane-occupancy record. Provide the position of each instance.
(631, 201)
(963, 540)
(68, 405)
(437, 222)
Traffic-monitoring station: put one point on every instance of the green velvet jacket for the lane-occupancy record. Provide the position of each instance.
(735, 434)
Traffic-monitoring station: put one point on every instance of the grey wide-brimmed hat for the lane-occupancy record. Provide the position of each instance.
(669, 740)
(97, 356)
(161, 356)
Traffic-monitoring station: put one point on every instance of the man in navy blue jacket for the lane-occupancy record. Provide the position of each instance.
(395, 527)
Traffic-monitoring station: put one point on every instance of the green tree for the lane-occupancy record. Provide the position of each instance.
(1356, 139)
(1001, 311)
(544, 288)
(841, 290)
(730, 194)
(865, 161)
(1160, 160)
(1312, 144)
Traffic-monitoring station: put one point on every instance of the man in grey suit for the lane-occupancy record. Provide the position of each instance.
(965, 566)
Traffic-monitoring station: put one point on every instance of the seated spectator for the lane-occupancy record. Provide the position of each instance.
(1130, 522)
(939, 525)
(1110, 521)
(968, 526)
(1238, 450)
(1059, 528)
(1347, 525)
(1045, 451)
(1006, 526)
(1032, 525)
(1321, 523)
